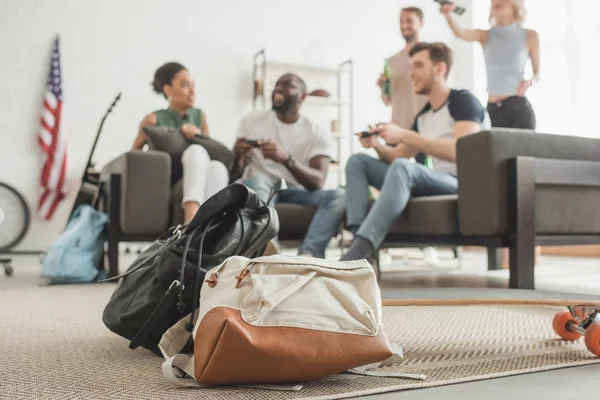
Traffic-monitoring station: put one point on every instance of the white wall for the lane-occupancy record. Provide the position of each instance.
(115, 45)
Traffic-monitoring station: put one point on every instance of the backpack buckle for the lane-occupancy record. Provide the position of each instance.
(177, 284)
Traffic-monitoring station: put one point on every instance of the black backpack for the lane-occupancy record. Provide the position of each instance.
(162, 285)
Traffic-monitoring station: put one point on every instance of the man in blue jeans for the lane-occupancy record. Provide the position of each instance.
(281, 143)
(448, 115)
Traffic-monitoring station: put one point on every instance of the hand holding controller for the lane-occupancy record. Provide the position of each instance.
(451, 7)
(368, 139)
(253, 143)
(365, 134)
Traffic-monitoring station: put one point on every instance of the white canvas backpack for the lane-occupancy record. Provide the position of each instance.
(281, 319)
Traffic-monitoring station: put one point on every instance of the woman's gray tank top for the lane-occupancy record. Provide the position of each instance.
(505, 57)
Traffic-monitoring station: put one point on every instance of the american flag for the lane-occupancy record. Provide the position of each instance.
(53, 142)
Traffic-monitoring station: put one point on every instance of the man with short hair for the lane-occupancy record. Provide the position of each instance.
(448, 115)
(289, 146)
(404, 101)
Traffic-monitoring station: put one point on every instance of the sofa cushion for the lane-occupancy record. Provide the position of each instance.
(172, 141)
(167, 139)
(567, 210)
(429, 215)
(293, 220)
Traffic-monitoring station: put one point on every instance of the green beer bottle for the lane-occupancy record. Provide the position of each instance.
(428, 162)
(387, 85)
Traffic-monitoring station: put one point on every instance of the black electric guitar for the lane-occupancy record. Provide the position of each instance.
(88, 191)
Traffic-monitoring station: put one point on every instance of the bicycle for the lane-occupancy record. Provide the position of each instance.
(15, 219)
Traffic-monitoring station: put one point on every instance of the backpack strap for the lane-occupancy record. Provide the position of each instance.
(380, 370)
(159, 312)
(176, 368)
(175, 338)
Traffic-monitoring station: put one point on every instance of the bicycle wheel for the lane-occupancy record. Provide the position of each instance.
(14, 217)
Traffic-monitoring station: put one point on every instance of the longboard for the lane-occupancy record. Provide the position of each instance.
(581, 319)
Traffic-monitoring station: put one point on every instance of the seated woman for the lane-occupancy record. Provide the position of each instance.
(202, 177)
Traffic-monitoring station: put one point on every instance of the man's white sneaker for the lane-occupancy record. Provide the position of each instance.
(430, 257)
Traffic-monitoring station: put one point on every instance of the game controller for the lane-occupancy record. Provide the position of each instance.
(366, 134)
(251, 142)
(458, 10)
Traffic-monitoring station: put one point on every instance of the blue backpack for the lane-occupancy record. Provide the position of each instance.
(75, 256)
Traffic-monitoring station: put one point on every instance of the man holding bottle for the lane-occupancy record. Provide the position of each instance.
(405, 103)
(397, 90)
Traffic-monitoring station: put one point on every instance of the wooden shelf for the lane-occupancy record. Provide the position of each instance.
(321, 69)
(324, 101)
(340, 135)
(319, 101)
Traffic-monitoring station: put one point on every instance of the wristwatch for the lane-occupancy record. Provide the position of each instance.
(290, 162)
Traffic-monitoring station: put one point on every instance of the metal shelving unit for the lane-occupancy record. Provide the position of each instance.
(341, 76)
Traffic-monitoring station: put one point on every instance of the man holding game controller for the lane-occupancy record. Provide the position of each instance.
(405, 103)
(281, 143)
(448, 115)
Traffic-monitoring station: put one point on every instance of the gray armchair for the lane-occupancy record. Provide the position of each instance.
(517, 189)
(142, 204)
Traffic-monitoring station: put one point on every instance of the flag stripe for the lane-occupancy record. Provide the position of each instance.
(59, 154)
(48, 128)
(45, 147)
(57, 199)
(48, 117)
(45, 206)
(48, 167)
(43, 198)
(60, 172)
(51, 100)
(45, 137)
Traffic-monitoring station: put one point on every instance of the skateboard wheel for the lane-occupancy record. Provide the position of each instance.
(559, 324)
(592, 339)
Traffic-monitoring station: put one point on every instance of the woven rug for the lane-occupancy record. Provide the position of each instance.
(54, 346)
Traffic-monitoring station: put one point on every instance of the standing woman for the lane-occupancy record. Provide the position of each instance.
(202, 177)
(507, 47)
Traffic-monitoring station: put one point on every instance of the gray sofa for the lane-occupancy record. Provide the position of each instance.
(142, 205)
(517, 189)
